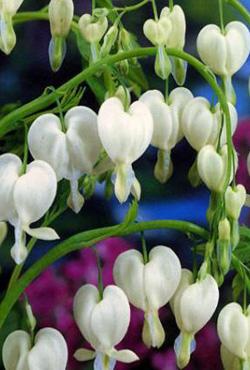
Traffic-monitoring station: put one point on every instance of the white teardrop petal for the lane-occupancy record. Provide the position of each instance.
(128, 274)
(161, 277)
(42, 233)
(15, 350)
(10, 167)
(110, 317)
(83, 354)
(124, 355)
(35, 191)
(198, 304)
(50, 351)
(47, 142)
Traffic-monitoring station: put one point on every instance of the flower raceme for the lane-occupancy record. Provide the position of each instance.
(72, 152)
(25, 198)
(49, 351)
(103, 321)
(193, 305)
(125, 135)
(8, 9)
(149, 286)
(234, 331)
(201, 125)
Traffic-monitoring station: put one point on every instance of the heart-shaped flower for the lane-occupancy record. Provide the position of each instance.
(234, 330)
(149, 286)
(193, 305)
(71, 153)
(49, 351)
(176, 38)
(92, 29)
(25, 199)
(201, 125)
(224, 53)
(103, 322)
(212, 166)
(235, 198)
(157, 32)
(125, 136)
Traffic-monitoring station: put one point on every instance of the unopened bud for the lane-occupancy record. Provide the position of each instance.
(61, 14)
(234, 200)
(92, 29)
(224, 249)
(224, 230)
(109, 41)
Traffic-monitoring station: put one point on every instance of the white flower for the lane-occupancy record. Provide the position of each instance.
(201, 125)
(71, 153)
(234, 330)
(224, 53)
(48, 352)
(61, 14)
(125, 136)
(229, 360)
(3, 232)
(157, 32)
(234, 200)
(103, 322)
(8, 9)
(25, 199)
(92, 29)
(193, 305)
(149, 286)
(166, 115)
(212, 167)
(176, 38)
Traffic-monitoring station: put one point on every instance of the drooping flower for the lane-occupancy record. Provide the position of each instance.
(93, 29)
(25, 198)
(224, 53)
(125, 136)
(235, 198)
(8, 9)
(149, 286)
(72, 152)
(49, 351)
(103, 322)
(234, 330)
(61, 14)
(193, 305)
(201, 125)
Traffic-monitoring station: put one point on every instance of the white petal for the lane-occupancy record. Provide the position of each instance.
(85, 301)
(10, 167)
(198, 304)
(124, 135)
(229, 360)
(43, 233)
(83, 354)
(128, 274)
(50, 351)
(83, 142)
(161, 277)
(47, 142)
(234, 122)
(124, 355)
(110, 317)
(15, 350)
(176, 38)
(233, 329)
(35, 191)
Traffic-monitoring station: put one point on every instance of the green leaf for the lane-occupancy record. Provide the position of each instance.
(132, 214)
(237, 286)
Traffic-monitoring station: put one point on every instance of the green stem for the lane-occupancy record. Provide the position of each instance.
(93, 5)
(84, 240)
(154, 10)
(144, 248)
(240, 8)
(221, 16)
(171, 4)
(132, 7)
(100, 281)
(26, 150)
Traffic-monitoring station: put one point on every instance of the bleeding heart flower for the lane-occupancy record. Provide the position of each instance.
(49, 351)
(25, 198)
(149, 286)
(71, 153)
(103, 321)
(125, 136)
(92, 29)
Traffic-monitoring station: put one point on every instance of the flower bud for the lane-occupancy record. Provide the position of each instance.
(234, 200)
(49, 350)
(234, 330)
(92, 29)
(162, 63)
(224, 249)
(121, 93)
(109, 41)
(3, 232)
(166, 116)
(212, 167)
(193, 305)
(224, 53)
(125, 137)
(61, 14)
(224, 230)
(71, 153)
(143, 284)
(104, 323)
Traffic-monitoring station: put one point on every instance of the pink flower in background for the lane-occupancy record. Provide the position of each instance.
(51, 296)
(242, 145)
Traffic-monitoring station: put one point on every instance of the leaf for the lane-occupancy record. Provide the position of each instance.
(242, 252)
(83, 46)
(237, 286)
(132, 214)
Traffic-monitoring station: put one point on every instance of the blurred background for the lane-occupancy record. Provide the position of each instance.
(23, 76)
